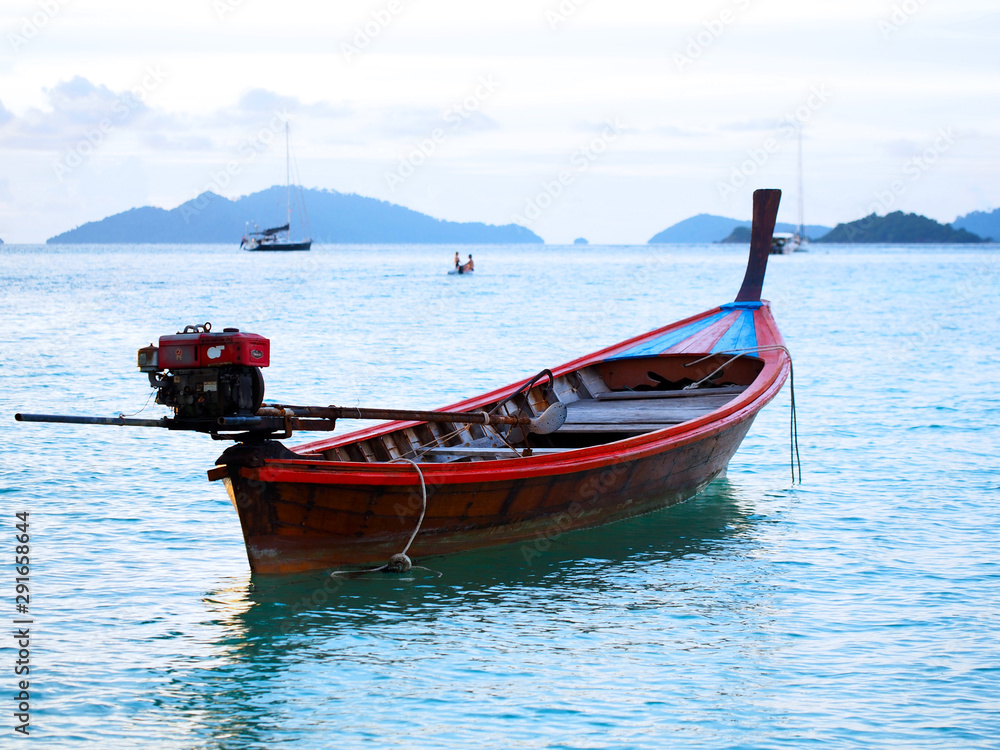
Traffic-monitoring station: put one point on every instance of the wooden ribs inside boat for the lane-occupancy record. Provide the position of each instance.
(610, 401)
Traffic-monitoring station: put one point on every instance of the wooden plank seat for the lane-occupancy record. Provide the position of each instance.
(726, 391)
(623, 428)
(642, 414)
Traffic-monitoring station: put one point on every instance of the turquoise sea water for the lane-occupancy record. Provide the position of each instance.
(857, 610)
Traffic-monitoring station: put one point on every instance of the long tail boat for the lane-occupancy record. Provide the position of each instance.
(626, 430)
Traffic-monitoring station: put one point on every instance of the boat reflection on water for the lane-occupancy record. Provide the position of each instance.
(314, 632)
(318, 604)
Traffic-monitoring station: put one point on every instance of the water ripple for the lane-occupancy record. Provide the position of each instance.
(855, 610)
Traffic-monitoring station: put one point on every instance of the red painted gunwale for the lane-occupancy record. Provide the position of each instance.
(743, 407)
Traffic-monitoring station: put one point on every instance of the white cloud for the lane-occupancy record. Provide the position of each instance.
(257, 103)
(162, 142)
(75, 108)
(353, 121)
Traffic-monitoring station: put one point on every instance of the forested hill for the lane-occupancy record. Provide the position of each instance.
(983, 223)
(897, 227)
(333, 218)
(710, 228)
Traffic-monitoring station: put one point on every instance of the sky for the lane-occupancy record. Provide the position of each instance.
(609, 120)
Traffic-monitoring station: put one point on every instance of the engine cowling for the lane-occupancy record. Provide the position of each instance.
(202, 374)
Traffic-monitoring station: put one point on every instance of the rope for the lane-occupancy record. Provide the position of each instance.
(511, 447)
(400, 562)
(151, 394)
(523, 428)
(438, 442)
(423, 510)
(795, 459)
(525, 391)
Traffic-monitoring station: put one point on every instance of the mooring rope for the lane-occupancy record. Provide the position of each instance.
(400, 562)
(795, 460)
(420, 521)
(794, 425)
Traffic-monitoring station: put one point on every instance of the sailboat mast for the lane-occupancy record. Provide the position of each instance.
(802, 231)
(288, 184)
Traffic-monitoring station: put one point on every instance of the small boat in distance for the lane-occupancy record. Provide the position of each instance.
(269, 239)
(279, 238)
(463, 268)
(784, 243)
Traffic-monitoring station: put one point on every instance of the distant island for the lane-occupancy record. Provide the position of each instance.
(710, 228)
(334, 218)
(740, 234)
(898, 227)
(349, 218)
(983, 223)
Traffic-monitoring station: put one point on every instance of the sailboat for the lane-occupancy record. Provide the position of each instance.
(800, 236)
(786, 243)
(279, 238)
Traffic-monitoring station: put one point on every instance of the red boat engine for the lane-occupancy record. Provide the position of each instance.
(203, 375)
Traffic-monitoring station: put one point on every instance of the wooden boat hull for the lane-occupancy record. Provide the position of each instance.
(300, 510)
(299, 525)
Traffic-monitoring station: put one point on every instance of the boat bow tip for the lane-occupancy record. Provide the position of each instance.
(765, 214)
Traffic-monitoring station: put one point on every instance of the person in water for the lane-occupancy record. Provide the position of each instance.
(458, 261)
(470, 266)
